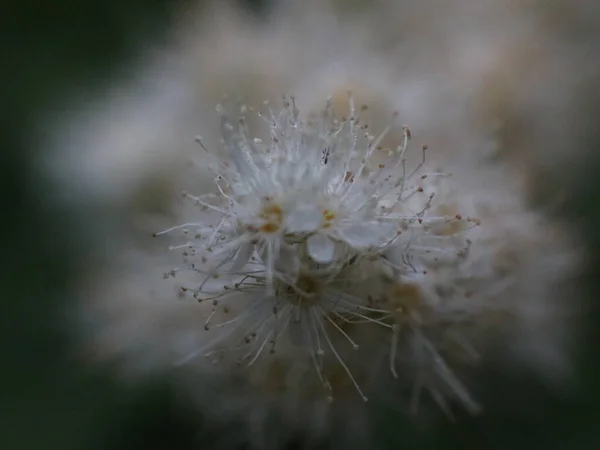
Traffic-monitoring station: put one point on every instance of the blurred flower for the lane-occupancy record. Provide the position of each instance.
(299, 215)
(419, 265)
(320, 249)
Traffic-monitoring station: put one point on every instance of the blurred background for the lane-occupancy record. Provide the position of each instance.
(58, 56)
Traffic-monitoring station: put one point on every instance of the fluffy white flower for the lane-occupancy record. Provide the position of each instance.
(313, 184)
(296, 287)
(312, 237)
(323, 261)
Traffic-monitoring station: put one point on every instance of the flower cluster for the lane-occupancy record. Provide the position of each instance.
(318, 232)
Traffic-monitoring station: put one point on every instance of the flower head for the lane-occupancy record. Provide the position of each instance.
(315, 186)
(320, 257)
(316, 232)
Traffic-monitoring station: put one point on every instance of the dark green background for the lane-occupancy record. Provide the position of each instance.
(51, 50)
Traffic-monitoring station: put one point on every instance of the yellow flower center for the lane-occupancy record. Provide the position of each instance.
(272, 215)
(328, 217)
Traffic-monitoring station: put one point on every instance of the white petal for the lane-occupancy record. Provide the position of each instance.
(285, 262)
(367, 234)
(320, 248)
(303, 219)
(288, 262)
(243, 256)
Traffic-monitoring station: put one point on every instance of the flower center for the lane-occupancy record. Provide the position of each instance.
(404, 298)
(328, 217)
(305, 292)
(272, 216)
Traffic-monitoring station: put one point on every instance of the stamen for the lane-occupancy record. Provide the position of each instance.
(341, 361)
(354, 345)
(394, 348)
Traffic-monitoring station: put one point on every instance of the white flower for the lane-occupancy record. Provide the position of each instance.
(321, 254)
(425, 301)
(305, 232)
(314, 183)
(299, 317)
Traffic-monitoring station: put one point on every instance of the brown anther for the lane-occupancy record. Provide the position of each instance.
(425, 147)
(381, 166)
(458, 217)
(349, 176)
(419, 189)
(328, 215)
(269, 228)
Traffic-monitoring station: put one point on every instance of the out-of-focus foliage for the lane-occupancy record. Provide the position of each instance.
(50, 51)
